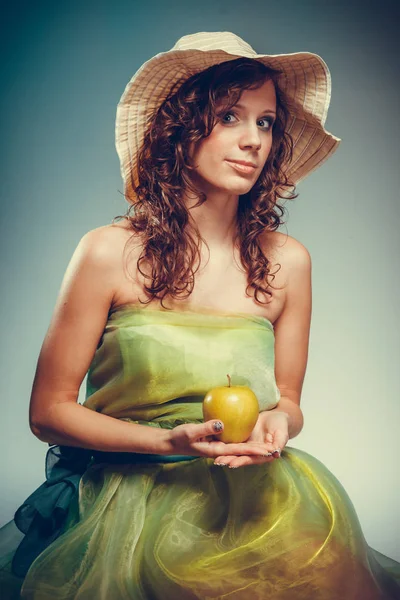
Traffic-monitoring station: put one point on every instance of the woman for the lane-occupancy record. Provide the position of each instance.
(210, 136)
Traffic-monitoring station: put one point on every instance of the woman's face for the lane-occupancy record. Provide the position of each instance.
(242, 134)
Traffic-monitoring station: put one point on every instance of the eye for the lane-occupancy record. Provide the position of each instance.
(269, 122)
(228, 114)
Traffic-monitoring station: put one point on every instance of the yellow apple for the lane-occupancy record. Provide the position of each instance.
(236, 406)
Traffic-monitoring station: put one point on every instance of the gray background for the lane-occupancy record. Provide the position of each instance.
(65, 66)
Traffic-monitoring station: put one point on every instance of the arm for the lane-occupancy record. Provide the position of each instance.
(78, 321)
(292, 331)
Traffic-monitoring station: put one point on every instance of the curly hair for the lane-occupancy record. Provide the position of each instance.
(171, 242)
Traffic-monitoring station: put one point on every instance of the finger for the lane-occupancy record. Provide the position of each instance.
(248, 449)
(208, 438)
(280, 442)
(214, 449)
(224, 460)
(239, 461)
(213, 428)
(243, 461)
(203, 431)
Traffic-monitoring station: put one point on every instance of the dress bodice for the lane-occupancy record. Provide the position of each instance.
(157, 365)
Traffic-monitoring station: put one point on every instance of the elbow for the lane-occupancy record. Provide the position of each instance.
(37, 430)
(40, 428)
(41, 421)
(48, 425)
(34, 422)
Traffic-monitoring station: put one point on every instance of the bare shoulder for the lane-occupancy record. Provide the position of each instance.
(106, 244)
(287, 251)
(95, 270)
(109, 239)
(288, 258)
(290, 264)
(122, 247)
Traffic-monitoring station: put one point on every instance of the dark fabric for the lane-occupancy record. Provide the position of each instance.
(43, 514)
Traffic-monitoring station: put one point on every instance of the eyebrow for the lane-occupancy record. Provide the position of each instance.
(267, 110)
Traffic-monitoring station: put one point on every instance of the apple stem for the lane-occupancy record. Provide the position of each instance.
(229, 380)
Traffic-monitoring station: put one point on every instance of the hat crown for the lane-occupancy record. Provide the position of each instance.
(214, 40)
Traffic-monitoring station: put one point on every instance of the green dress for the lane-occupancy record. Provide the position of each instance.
(188, 529)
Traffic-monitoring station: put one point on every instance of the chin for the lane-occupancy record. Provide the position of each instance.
(239, 190)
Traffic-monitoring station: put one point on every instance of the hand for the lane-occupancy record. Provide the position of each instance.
(272, 428)
(200, 440)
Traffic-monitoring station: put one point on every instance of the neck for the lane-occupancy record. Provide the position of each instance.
(216, 219)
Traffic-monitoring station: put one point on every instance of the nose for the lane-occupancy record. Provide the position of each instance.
(251, 137)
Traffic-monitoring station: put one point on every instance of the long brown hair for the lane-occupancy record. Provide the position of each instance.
(171, 243)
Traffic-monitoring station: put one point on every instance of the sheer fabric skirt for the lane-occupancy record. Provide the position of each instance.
(190, 530)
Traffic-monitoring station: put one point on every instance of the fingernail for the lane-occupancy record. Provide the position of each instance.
(278, 450)
(220, 464)
(267, 455)
(218, 426)
(232, 467)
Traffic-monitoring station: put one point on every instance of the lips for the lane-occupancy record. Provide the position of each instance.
(242, 162)
(245, 169)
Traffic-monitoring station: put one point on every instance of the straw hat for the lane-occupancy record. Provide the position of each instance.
(305, 80)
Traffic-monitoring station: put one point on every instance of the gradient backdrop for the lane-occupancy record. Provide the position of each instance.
(65, 67)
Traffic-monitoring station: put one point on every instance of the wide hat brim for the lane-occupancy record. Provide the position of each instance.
(305, 81)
